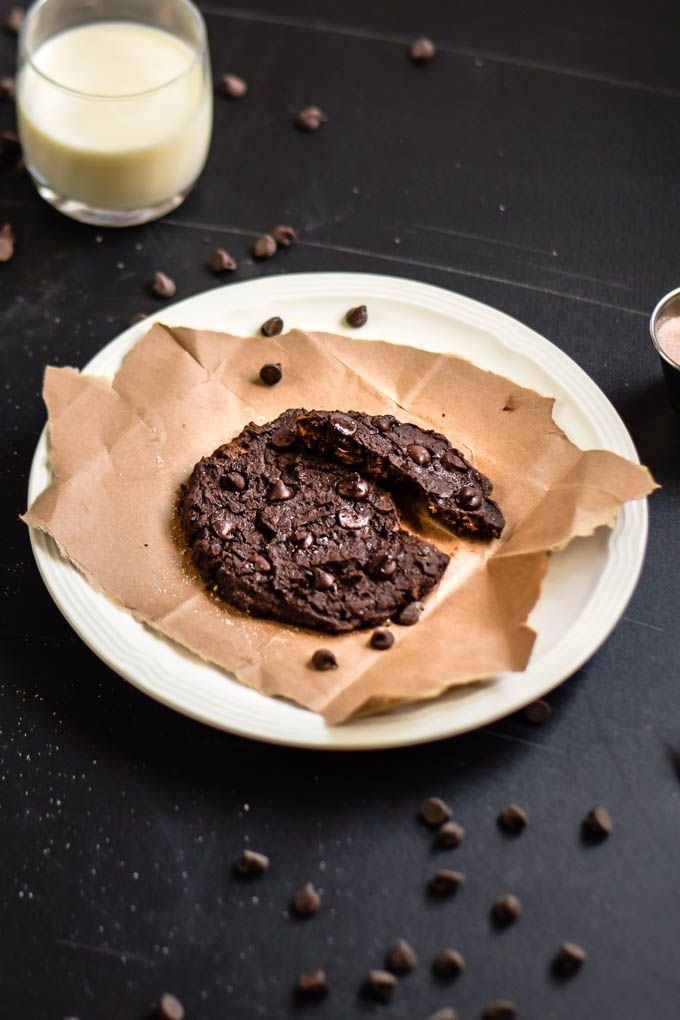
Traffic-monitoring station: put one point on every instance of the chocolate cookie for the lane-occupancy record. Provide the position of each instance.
(399, 453)
(280, 531)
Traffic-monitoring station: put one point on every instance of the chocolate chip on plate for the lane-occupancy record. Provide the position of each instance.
(450, 835)
(445, 883)
(6, 242)
(251, 864)
(7, 88)
(162, 286)
(380, 985)
(264, 246)
(312, 984)
(448, 964)
(272, 327)
(598, 823)
(538, 712)
(434, 811)
(222, 262)
(233, 87)
(284, 236)
(401, 957)
(170, 1008)
(445, 1014)
(381, 640)
(422, 49)
(507, 909)
(310, 119)
(324, 659)
(568, 960)
(306, 901)
(410, 614)
(500, 1009)
(15, 19)
(271, 374)
(357, 317)
(280, 492)
(512, 819)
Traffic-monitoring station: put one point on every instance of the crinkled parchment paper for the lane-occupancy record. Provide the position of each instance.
(120, 452)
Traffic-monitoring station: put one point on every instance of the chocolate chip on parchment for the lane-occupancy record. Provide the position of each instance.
(410, 614)
(469, 497)
(271, 374)
(448, 964)
(170, 1008)
(445, 883)
(597, 824)
(312, 984)
(357, 317)
(14, 19)
(537, 712)
(310, 119)
(7, 88)
(401, 957)
(506, 910)
(418, 454)
(500, 1009)
(272, 327)
(162, 286)
(279, 491)
(450, 835)
(284, 236)
(251, 864)
(221, 261)
(380, 985)
(434, 811)
(264, 246)
(421, 50)
(324, 659)
(568, 960)
(233, 87)
(445, 1014)
(381, 640)
(6, 242)
(512, 819)
(306, 900)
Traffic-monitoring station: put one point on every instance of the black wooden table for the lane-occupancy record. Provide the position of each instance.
(533, 165)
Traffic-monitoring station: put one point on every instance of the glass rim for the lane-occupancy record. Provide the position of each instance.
(655, 320)
(27, 58)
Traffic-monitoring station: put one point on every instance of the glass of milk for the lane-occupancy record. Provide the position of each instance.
(114, 102)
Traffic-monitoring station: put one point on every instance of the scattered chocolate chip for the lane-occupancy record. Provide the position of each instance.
(271, 374)
(410, 614)
(280, 491)
(311, 984)
(233, 87)
(162, 286)
(568, 960)
(380, 985)
(422, 50)
(235, 481)
(342, 424)
(537, 712)
(434, 811)
(418, 454)
(10, 149)
(7, 88)
(14, 19)
(306, 900)
(264, 246)
(357, 317)
(445, 1014)
(382, 640)
(170, 1008)
(284, 236)
(450, 835)
(469, 497)
(401, 957)
(512, 819)
(353, 486)
(445, 883)
(324, 659)
(221, 261)
(272, 327)
(448, 964)
(138, 317)
(310, 119)
(507, 909)
(6, 243)
(323, 579)
(251, 864)
(597, 824)
(384, 422)
(383, 566)
(500, 1009)
(452, 462)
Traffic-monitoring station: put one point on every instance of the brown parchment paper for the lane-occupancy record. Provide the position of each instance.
(121, 450)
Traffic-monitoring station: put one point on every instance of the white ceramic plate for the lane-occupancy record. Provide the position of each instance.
(587, 586)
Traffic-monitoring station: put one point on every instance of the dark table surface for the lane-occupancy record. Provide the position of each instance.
(534, 166)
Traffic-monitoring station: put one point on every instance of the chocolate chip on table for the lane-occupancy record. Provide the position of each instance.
(324, 659)
(357, 317)
(537, 712)
(380, 985)
(272, 327)
(450, 835)
(500, 1009)
(401, 957)
(310, 119)
(422, 49)
(418, 454)
(14, 19)
(306, 901)
(271, 374)
(6, 242)
(279, 491)
(264, 246)
(233, 87)
(7, 88)
(507, 909)
(445, 883)
(568, 960)
(381, 640)
(445, 1014)
(251, 864)
(162, 286)
(312, 984)
(512, 819)
(448, 964)
(410, 614)
(170, 1008)
(284, 236)
(222, 262)
(434, 811)
(597, 824)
